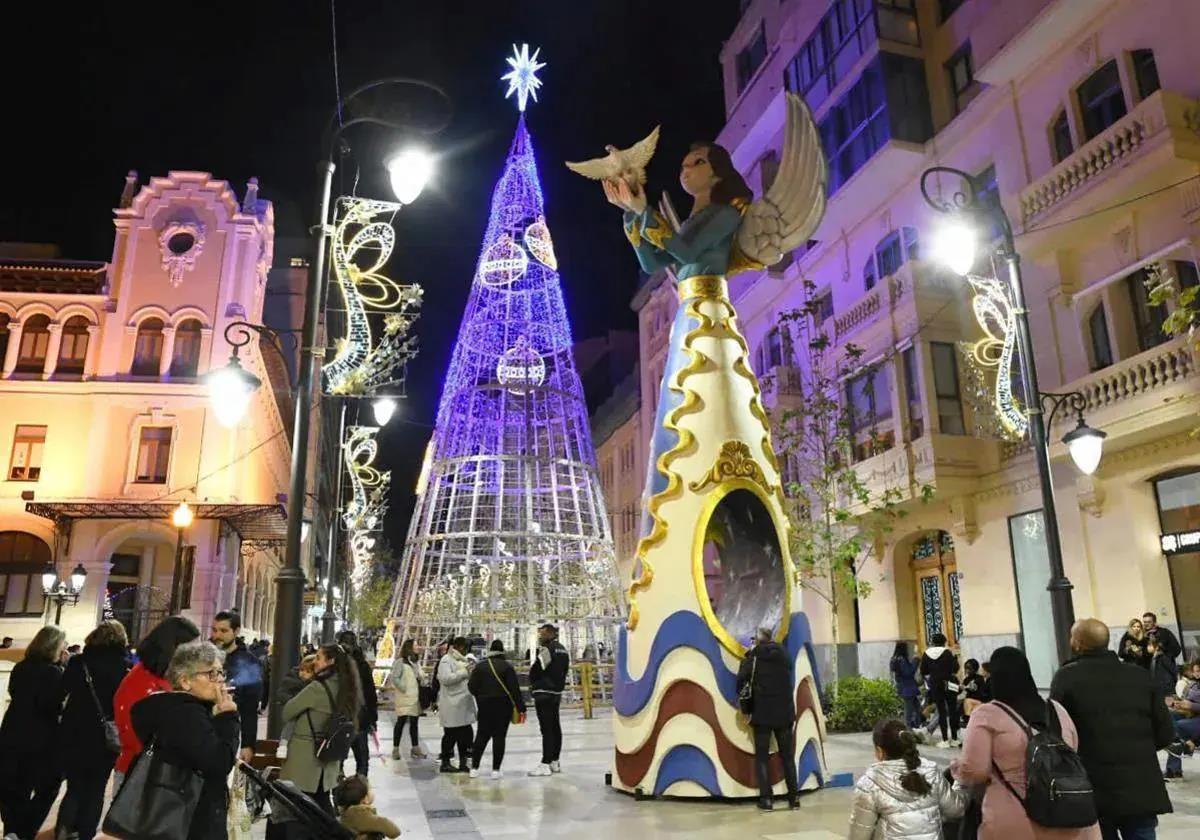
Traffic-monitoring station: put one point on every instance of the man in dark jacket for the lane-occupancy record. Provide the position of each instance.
(768, 670)
(939, 667)
(369, 716)
(244, 673)
(1122, 721)
(1167, 643)
(547, 679)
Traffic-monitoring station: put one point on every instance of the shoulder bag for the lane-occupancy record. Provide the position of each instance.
(112, 738)
(746, 694)
(156, 802)
(516, 713)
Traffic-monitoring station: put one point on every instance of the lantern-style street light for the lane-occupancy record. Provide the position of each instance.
(383, 408)
(63, 591)
(957, 244)
(181, 518)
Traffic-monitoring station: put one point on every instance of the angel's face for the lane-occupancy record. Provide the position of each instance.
(696, 174)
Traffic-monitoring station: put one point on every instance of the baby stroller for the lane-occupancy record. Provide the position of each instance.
(303, 817)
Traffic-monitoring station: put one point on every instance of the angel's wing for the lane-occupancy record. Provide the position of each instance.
(638, 155)
(596, 169)
(792, 208)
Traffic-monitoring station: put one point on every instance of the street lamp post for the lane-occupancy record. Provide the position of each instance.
(957, 245)
(62, 591)
(181, 518)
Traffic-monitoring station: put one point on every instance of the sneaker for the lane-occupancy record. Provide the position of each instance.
(473, 773)
(541, 770)
(1179, 748)
(496, 774)
(555, 767)
(395, 753)
(281, 750)
(943, 745)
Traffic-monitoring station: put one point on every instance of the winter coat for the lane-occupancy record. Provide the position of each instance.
(364, 822)
(1167, 643)
(884, 810)
(1122, 720)
(501, 685)
(1134, 651)
(291, 685)
(1162, 674)
(406, 689)
(975, 687)
(994, 740)
(81, 734)
(29, 733)
(244, 672)
(456, 706)
(774, 703)
(187, 734)
(311, 711)
(548, 673)
(939, 666)
(904, 674)
(140, 682)
(369, 715)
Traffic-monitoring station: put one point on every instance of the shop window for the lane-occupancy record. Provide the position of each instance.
(1178, 497)
(960, 71)
(1098, 333)
(185, 361)
(23, 558)
(72, 352)
(1101, 100)
(153, 455)
(945, 383)
(25, 464)
(1148, 319)
(1031, 570)
(1145, 72)
(35, 342)
(147, 348)
(751, 58)
(1060, 137)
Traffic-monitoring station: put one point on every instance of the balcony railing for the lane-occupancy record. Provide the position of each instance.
(1145, 373)
(1120, 143)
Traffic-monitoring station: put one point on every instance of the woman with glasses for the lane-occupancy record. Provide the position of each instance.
(195, 725)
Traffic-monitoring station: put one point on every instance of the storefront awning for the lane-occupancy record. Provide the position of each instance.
(259, 525)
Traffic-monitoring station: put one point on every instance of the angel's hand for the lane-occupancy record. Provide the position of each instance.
(610, 192)
(635, 201)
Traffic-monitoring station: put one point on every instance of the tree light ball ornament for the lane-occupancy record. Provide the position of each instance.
(520, 367)
(522, 78)
(504, 263)
(537, 240)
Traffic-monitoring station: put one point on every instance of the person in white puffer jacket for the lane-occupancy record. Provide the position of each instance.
(902, 796)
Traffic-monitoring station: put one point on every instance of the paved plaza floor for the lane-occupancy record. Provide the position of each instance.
(577, 804)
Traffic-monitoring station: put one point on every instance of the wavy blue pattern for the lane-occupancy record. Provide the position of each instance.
(687, 763)
(687, 629)
(810, 764)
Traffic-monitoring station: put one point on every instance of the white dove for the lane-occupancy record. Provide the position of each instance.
(627, 164)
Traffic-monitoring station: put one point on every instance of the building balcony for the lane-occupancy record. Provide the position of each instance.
(898, 304)
(782, 387)
(950, 465)
(1165, 124)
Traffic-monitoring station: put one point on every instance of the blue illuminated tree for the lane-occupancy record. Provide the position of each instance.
(510, 527)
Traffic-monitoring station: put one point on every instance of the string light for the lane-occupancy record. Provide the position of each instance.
(997, 349)
(369, 486)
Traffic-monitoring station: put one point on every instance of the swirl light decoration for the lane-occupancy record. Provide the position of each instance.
(361, 246)
(369, 486)
(994, 312)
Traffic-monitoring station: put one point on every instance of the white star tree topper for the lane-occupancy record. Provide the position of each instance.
(522, 78)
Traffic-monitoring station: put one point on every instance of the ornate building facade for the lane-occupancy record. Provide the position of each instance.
(1083, 118)
(106, 425)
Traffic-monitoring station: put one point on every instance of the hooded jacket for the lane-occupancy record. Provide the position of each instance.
(245, 674)
(884, 810)
(187, 734)
(29, 733)
(939, 666)
(501, 685)
(767, 666)
(456, 706)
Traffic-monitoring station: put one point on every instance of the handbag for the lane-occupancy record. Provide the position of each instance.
(517, 716)
(239, 820)
(112, 738)
(746, 692)
(156, 802)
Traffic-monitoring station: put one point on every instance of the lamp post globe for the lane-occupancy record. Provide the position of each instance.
(955, 245)
(410, 171)
(78, 578)
(383, 408)
(182, 516)
(1086, 446)
(49, 579)
(229, 390)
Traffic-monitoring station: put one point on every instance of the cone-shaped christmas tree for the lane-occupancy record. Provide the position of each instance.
(510, 527)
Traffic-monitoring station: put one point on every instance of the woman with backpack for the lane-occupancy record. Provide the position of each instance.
(904, 674)
(326, 712)
(995, 753)
(494, 685)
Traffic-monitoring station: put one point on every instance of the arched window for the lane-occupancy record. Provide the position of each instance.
(186, 360)
(72, 352)
(1060, 137)
(35, 341)
(147, 350)
(23, 558)
(891, 252)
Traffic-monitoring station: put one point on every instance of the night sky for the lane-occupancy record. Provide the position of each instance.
(245, 89)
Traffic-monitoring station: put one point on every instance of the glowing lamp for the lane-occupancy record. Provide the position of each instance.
(78, 577)
(384, 408)
(1086, 445)
(49, 579)
(410, 171)
(955, 245)
(230, 389)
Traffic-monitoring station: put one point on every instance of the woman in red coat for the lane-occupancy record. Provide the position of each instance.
(147, 677)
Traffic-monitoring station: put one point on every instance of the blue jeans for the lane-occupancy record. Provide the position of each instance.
(1189, 730)
(1129, 828)
(912, 712)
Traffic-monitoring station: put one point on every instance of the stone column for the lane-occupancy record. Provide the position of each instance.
(93, 351)
(52, 350)
(168, 351)
(14, 348)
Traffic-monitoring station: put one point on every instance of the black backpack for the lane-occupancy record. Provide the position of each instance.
(333, 744)
(1058, 792)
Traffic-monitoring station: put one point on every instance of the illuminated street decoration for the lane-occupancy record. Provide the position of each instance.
(997, 349)
(510, 527)
(522, 78)
(361, 246)
(363, 515)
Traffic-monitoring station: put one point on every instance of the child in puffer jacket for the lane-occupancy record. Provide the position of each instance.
(355, 802)
(901, 796)
(289, 687)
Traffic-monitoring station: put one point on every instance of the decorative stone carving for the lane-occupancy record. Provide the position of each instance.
(250, 203)
(181, 243)
(1123, 244)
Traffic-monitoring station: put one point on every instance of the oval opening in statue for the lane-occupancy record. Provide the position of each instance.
(743, 566)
